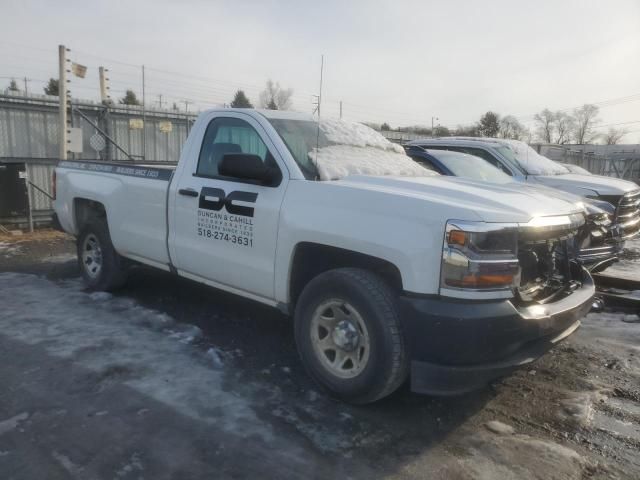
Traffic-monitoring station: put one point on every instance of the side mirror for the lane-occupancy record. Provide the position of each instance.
(244, 166)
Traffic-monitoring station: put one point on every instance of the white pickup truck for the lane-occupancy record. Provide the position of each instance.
(388, 269)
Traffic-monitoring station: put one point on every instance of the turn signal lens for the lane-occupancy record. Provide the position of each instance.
(457, 237)
(483, 281)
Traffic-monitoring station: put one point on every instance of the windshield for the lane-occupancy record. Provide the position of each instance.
(339, 148)
(470, 166)
(529, 160)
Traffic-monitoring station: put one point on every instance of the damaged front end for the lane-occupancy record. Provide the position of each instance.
(508, 294)
(600, 240)
(534, 262)
(550, 266)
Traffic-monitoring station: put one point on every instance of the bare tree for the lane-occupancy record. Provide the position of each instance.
(564, 126)
(545, 121)
(586, 118)
(511, 128)
(467, 131)
(275, 97)
(613, 136)
(441, 131)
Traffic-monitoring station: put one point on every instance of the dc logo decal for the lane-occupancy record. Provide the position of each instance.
(215, 199)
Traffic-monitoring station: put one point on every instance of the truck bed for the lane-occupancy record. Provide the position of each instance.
(135, 201)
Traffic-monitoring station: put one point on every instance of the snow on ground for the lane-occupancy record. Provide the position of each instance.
(9, 249)
(357, 149)
(617, 332)
(116, 336)
(629, 265)
(61, 258)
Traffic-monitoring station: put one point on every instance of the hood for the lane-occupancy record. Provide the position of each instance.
(587, 185)
(490, 202)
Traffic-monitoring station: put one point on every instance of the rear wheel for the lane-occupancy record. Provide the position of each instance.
(349, 336)
(102, 268)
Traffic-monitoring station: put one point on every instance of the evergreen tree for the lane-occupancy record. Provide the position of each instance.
(130, 98)
(240, 100)
(489, 124)
(52, 88)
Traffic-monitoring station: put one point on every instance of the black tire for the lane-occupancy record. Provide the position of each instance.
(376, 303)
(112, 273)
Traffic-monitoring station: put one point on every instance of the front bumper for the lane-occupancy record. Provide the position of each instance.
(460, 346)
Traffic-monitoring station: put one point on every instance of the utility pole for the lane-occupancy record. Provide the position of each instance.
(26, 90)
(320, 93)
(186, 113)
(106, 101)
(160, 100)
(340, 109)
(144, 120)
(104, 94)
(62, 95)
(432, 119)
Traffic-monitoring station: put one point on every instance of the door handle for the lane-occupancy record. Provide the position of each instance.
(189, 192)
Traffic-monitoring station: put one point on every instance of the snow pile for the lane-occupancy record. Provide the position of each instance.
(532, 161)
(342, 132)
(339, 161)
(355, 149)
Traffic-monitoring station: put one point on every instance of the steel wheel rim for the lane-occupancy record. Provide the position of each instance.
(91, 256)
(340, 338)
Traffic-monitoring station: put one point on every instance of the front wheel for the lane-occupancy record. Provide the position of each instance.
(102, 268)
(349, 336)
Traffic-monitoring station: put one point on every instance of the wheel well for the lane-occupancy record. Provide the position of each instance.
(312, 259)
(86, 210)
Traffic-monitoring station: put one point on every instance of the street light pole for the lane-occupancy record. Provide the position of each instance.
(432, 119)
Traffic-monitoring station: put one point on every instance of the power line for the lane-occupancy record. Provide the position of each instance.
(214, 89)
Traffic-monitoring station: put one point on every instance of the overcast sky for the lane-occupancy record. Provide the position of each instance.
(402, 62)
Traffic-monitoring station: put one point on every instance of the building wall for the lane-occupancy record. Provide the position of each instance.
(29, 135)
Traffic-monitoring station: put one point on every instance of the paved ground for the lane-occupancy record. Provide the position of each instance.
(169, 379)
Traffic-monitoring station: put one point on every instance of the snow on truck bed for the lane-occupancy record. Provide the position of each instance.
(355, 149)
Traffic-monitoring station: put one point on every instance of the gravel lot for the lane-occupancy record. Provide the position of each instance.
(169, 379)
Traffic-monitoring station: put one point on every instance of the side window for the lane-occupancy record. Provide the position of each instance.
(229, 135)
(479, 152)
(426, 163)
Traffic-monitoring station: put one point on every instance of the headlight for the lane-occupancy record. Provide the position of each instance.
(479, 260)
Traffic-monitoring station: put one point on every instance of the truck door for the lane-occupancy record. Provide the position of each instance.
(224, 230)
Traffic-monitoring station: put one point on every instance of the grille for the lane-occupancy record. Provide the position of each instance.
(628, 214)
